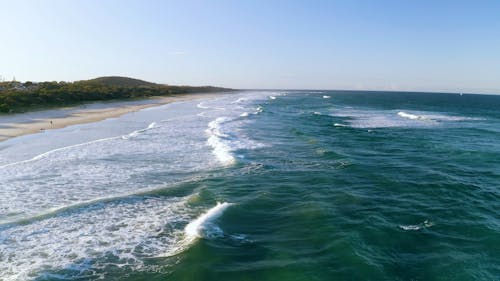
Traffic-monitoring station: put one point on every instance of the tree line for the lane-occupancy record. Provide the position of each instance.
(17, 97)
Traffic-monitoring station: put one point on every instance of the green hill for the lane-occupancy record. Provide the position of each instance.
(118, 81)
(17, 96)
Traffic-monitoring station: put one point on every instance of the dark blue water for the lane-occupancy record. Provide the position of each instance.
(326, 185)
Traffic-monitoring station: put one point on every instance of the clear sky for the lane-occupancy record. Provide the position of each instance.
(395, 45)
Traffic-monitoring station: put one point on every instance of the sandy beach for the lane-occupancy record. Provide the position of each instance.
(38, 121)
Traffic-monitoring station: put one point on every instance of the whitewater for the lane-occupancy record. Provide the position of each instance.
(98, 199)
(260, 185)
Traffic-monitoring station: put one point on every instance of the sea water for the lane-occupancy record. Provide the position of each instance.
(260, 185)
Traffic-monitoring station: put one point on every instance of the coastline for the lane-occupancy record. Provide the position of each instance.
(40, 121)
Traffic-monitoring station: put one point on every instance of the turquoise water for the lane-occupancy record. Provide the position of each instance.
(299, 185)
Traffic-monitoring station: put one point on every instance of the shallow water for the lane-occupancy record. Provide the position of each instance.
(298, 185)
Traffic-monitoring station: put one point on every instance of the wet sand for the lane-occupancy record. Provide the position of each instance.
(38, 121)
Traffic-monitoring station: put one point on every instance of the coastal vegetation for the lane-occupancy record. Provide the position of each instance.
(18, 96)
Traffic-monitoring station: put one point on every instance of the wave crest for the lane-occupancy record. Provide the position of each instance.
(199, 228)
(216, 140)
(411, 116)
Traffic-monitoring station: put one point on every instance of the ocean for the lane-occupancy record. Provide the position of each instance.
(260, 185)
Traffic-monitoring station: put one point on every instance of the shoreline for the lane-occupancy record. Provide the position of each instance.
(43, 121)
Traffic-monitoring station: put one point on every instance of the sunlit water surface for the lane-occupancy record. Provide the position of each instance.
(298, 185)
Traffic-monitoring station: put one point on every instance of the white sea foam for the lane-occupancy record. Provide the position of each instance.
(224, 134)
(224, 138)
(41, 156)
(85, 172)
(435, 117)
(138, 132)
(115, 233)
(369, 118)
(272, 97)
(74, 200)
(258, 110)
(410, 227)
(200, 227)
(419, 226)
(202, 105)
(216, 139)
(451, 118)
(202, 114)
(213, 104)
(372, 118)
(56, 150)
(326, 97)
(239, 100)
(411, 116)
(339, 125)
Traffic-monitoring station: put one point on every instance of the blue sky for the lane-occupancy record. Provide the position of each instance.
(379, 45)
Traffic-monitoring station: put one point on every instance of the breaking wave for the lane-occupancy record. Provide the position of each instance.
(203, 226)
(411, 116)
(117, 233)
(372, 118)
(218, 141)
(138, 132)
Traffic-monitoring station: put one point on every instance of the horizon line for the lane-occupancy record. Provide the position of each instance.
(486, 92)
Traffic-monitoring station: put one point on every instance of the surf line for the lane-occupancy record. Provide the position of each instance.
(217, 140)
(136, 133)
(40, 156)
